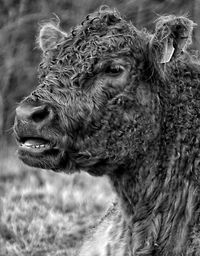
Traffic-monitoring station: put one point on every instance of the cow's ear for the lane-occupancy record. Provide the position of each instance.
(50, 36)
(172, 36)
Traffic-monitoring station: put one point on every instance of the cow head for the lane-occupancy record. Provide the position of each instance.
(100, 99)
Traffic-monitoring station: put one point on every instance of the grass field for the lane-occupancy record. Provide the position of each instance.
(44, 213)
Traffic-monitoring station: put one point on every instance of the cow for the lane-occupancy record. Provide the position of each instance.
(124, 103)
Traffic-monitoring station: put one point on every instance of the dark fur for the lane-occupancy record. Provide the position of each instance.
(141, 131)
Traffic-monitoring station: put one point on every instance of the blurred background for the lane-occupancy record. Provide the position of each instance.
(42, 213)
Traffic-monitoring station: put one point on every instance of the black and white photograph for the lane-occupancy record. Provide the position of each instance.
(99, 127)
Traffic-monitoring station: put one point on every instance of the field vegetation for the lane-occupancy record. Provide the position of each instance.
(45, 213)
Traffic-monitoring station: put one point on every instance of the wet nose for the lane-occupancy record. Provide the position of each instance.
(36, 114)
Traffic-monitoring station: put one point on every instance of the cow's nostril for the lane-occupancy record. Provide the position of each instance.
(40, 114)
(35, 114)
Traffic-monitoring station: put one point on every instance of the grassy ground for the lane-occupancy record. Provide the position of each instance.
(44, 213)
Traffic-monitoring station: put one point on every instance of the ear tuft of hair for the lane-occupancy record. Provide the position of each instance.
(173, 35)
(49, 36)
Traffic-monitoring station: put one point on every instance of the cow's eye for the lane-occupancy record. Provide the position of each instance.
(114, 70)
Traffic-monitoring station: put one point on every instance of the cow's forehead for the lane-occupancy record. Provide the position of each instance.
(100, 27)
(84, 55)
(88, 43)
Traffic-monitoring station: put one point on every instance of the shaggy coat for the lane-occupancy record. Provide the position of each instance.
(116, 101)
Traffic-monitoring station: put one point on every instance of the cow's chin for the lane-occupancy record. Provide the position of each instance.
(52, 159)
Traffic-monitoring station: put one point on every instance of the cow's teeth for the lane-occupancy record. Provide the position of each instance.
(28, 145)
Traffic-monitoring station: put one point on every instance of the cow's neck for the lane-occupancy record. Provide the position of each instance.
(159, 198)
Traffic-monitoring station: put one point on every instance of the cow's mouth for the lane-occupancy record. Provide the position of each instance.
(42, 153)
(35, 145)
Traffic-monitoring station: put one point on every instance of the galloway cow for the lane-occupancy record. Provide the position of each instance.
(113, 100)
